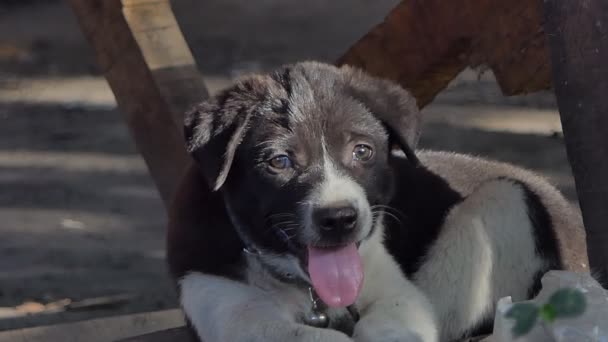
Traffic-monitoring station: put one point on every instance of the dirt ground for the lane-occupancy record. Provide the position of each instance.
(79, 215)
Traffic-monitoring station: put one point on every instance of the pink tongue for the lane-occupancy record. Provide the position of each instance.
(336, 274)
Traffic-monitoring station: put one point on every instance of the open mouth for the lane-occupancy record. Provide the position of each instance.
(334, 267)
(336, 273)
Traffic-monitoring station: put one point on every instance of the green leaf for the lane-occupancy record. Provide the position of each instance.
(525, 315)
(547, 313)
(568, 303)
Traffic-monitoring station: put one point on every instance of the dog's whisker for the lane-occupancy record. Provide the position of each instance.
(279, 225)
(286, 222)
(397, 220)
(285, 236)
(287, 216)
(281, 214)
(378, 213)
(382, 206)
(388, 208)
(397, 214)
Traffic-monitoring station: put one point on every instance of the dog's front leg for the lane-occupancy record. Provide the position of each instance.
(397, 319)
(221, 309)
(392, 308)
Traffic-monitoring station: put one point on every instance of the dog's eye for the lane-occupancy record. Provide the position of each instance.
(281, 162)
(362, 153)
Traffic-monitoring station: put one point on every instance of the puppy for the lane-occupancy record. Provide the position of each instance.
(298, 221)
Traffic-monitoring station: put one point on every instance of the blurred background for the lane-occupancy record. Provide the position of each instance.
(80, 218)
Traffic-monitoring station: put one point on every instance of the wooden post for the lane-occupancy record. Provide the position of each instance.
(166, 54)
(152, 74)
(577, 33)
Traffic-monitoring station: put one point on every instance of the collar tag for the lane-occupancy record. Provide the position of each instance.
(316, 317)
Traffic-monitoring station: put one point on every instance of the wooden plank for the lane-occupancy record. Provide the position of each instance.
(99, 330)
(152, 74)
(424, 44)
(577, 33)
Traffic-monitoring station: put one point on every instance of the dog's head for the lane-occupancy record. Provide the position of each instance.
(302, 156)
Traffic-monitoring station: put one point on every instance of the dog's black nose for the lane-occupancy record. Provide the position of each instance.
(335, 219)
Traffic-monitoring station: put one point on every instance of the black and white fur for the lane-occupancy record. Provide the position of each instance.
(442, 236)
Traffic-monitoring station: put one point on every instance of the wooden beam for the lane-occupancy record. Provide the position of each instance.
(424, 44)
(99, 330)
(166, 54)
(152, 74)
(577, 32)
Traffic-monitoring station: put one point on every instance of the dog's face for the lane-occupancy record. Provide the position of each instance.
(302, 156)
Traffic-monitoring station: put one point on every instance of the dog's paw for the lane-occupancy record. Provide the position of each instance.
(387, 335)
(303, 333)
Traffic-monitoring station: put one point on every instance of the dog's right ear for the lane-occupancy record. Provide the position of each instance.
(213, 131)
(394, 106)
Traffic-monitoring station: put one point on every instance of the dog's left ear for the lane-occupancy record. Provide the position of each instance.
(214, 129)
(391, 104)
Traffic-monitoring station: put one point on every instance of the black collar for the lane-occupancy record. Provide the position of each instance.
(285, 277)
